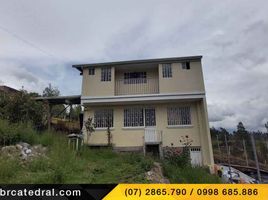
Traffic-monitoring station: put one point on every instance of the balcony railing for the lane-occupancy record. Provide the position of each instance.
(152, 136)
(136, 86)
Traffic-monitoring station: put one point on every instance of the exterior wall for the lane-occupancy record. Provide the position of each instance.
(133, 137)
(150, 87)
(182, 81)
(93, 86)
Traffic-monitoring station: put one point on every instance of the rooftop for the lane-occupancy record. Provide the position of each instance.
(147, 61)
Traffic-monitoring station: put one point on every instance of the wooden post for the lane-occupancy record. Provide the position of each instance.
(256, 157)
(219, 147)
(49, 108)
(245, 151)
(228, 157)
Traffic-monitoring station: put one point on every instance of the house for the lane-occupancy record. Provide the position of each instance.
(7, 90)
(148, 105)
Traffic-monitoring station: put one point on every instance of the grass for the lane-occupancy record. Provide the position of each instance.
(63, 165)
(188, 174)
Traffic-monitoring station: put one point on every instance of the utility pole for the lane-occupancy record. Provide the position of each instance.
(255, 156)
(245, 151)
(228, 157)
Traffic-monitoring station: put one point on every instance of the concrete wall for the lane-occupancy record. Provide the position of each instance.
(182, 81)
(93, 86)
(127, 137)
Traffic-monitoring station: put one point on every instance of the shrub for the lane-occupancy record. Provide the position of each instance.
(179, 158)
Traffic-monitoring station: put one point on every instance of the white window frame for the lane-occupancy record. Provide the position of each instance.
(103, 115)
(129, 77)
(179, 116)
(106, 74)
(167, 70)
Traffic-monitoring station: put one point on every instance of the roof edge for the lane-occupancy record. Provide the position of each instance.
(155, 60)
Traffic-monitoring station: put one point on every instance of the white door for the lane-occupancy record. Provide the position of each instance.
(196, 156)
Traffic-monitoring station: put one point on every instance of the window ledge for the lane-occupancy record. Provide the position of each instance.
(181, 126)
(134, 128)
(103, 129)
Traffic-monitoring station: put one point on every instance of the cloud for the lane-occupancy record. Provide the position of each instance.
(40, 40)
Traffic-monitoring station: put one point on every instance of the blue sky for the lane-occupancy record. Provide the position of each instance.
(40, 40)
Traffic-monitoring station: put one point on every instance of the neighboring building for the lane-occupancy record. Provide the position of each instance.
(149, 105)
(7, 90)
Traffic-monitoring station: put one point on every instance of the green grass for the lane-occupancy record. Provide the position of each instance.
(63, 165)
(188, 174)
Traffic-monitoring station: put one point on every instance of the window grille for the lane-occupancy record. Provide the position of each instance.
(103, 118)
(133, 117)
(91, 71)
(167, 70)
(106, 74)
(179, 115)
(134, 77)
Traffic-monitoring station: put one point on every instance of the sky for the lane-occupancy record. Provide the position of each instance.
(40, 40)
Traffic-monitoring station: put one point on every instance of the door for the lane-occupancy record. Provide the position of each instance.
(150, 123)
(150, 117)
(196, 156)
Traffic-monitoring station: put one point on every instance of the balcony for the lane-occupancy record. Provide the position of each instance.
(152, 136)
(136, 86)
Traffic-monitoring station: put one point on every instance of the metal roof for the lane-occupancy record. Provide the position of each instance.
(129, 62)
(75, 99)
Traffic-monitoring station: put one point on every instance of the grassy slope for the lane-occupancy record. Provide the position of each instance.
(62, 165)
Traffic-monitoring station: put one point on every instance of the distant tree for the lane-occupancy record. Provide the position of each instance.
(51, 91)
(56, 109)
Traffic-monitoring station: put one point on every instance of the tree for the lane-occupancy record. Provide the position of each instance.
(56, 109)
(51, 91)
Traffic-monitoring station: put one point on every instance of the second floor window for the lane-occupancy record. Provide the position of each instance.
(106, 74)
(186, 65)
(167, 70)
(91, 71)
(179, 116)
(135, 77)
(103, 118)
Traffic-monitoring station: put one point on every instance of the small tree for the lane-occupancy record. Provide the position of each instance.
(90, 127)
(109, 134)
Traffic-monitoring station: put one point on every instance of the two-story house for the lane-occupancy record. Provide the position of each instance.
(148, 104)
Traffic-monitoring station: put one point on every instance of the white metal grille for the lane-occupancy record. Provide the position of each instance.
(166, 70)
(133, 117)
(179, 115)
(106, 74)
(103, 118)
(186, 65)
(135, 77)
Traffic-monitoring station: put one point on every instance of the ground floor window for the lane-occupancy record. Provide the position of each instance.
(133, 117)
(103, 118)
(179, 115)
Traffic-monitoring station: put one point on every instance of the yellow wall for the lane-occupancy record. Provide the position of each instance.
(182, 81)
(93, 86)
(131, 137)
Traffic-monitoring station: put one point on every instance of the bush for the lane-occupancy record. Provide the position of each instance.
(176, 157)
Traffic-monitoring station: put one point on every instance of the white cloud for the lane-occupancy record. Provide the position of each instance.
(40, 40)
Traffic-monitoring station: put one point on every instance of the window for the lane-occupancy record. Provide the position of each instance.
(133, 117)
(134, 77)
(179, 115)
(91, 71)
(186, 65)
(103, 118)
(166, 70)
(106, 74)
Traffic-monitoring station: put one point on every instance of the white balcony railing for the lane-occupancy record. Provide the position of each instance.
(152, 136)
(136, 86)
